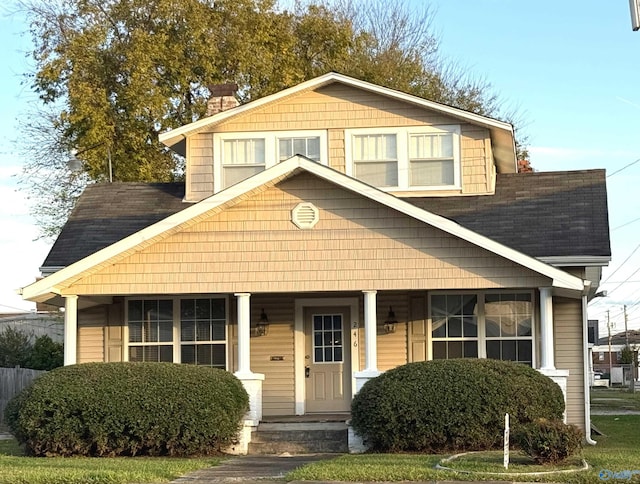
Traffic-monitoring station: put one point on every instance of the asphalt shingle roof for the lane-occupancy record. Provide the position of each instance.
(542, 214)
(108, 212)
(539, 214)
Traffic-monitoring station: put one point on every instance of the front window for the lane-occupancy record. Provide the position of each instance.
(410, 158)
(179, 330)
(238, 156)
(375, 159)
(305, 146)
(150, 330)
(508, 327)
(454, 326)
(486, 325)
(431, 160)
(203, 332)
(242, 158)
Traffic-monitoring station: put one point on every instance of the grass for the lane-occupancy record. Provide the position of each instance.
(493, 462)
(614, 399)
(18, 469)
(617, 452)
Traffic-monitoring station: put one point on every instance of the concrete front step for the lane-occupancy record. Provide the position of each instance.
(299, 438)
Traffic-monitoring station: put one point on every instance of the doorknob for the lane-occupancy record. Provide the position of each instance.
(307, 371)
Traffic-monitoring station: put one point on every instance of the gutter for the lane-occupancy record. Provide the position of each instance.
(585, 363)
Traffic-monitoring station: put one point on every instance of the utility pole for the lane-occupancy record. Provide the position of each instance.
(626, 331)
(610, 363)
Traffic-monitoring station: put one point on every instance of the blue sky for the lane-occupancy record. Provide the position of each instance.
(569, 67)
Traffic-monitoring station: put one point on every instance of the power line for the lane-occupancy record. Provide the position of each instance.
(22, 310)
(621, 265)
(625, 224)
(623, 168)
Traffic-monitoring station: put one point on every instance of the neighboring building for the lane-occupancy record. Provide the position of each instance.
(603, 360)
(593, 328)
(327, 233)
(35, 324)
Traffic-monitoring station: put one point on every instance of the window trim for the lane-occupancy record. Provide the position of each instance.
(177, 342)
(403, 163)
(271, 148)
(481, 319)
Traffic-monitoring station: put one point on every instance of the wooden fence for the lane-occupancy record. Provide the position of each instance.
(12, 381)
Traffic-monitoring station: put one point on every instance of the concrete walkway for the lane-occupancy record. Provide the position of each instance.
(256, 469)
(251, 468)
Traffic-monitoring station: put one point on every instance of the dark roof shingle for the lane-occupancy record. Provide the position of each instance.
(542, 214)
(108, 212)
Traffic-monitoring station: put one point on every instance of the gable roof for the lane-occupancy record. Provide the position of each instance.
(54, 283)
(543, 215)
(501, 133)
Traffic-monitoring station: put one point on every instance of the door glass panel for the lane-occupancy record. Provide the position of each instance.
(327, 338)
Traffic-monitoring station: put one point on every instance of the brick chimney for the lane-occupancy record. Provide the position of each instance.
(222, 98)
(524, 166)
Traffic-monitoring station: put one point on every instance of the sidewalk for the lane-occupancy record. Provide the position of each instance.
(255, 469)
(251, 468)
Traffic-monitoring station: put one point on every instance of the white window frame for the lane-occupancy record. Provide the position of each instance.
(402, 143)
(271, 148)
(176, 342)
(482, 337)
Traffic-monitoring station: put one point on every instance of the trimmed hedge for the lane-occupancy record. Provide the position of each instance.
(451, 405)
(127, 409)
(548, 441)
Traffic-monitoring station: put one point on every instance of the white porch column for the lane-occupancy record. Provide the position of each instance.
(370, 332)
(370, 341)
(252, 382)
(547, 353)
(356, 445)
(547, 358)
(70, 329)
(244, 333)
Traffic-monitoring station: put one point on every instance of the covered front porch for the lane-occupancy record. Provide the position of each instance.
(308, 354)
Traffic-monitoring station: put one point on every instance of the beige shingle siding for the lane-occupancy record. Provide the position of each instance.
(392, 347)
(91, 324)
(336, 149)
(278, 386)
(358, 243)
(200, 167)
(335, 108)
(567, 320)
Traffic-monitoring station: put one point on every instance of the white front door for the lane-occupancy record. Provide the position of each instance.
(327, 359)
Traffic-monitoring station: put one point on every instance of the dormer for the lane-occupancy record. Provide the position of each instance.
(399, 143)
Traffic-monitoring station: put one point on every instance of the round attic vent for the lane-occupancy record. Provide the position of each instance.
(305, 215)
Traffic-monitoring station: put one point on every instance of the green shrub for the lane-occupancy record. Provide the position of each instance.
(15, 347)
(444, 405)
(109, 409)
(548, 441)
(46, 354)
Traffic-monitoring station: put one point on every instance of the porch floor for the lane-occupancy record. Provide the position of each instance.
(310, 417)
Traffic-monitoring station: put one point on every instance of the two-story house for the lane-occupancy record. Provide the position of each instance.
(330, 232)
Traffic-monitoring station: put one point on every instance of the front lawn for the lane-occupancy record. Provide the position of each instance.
(617, 452)
(17, 469)
(612, 399)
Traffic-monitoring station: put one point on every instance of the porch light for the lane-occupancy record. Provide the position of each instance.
(261, 328)
(389, 325)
